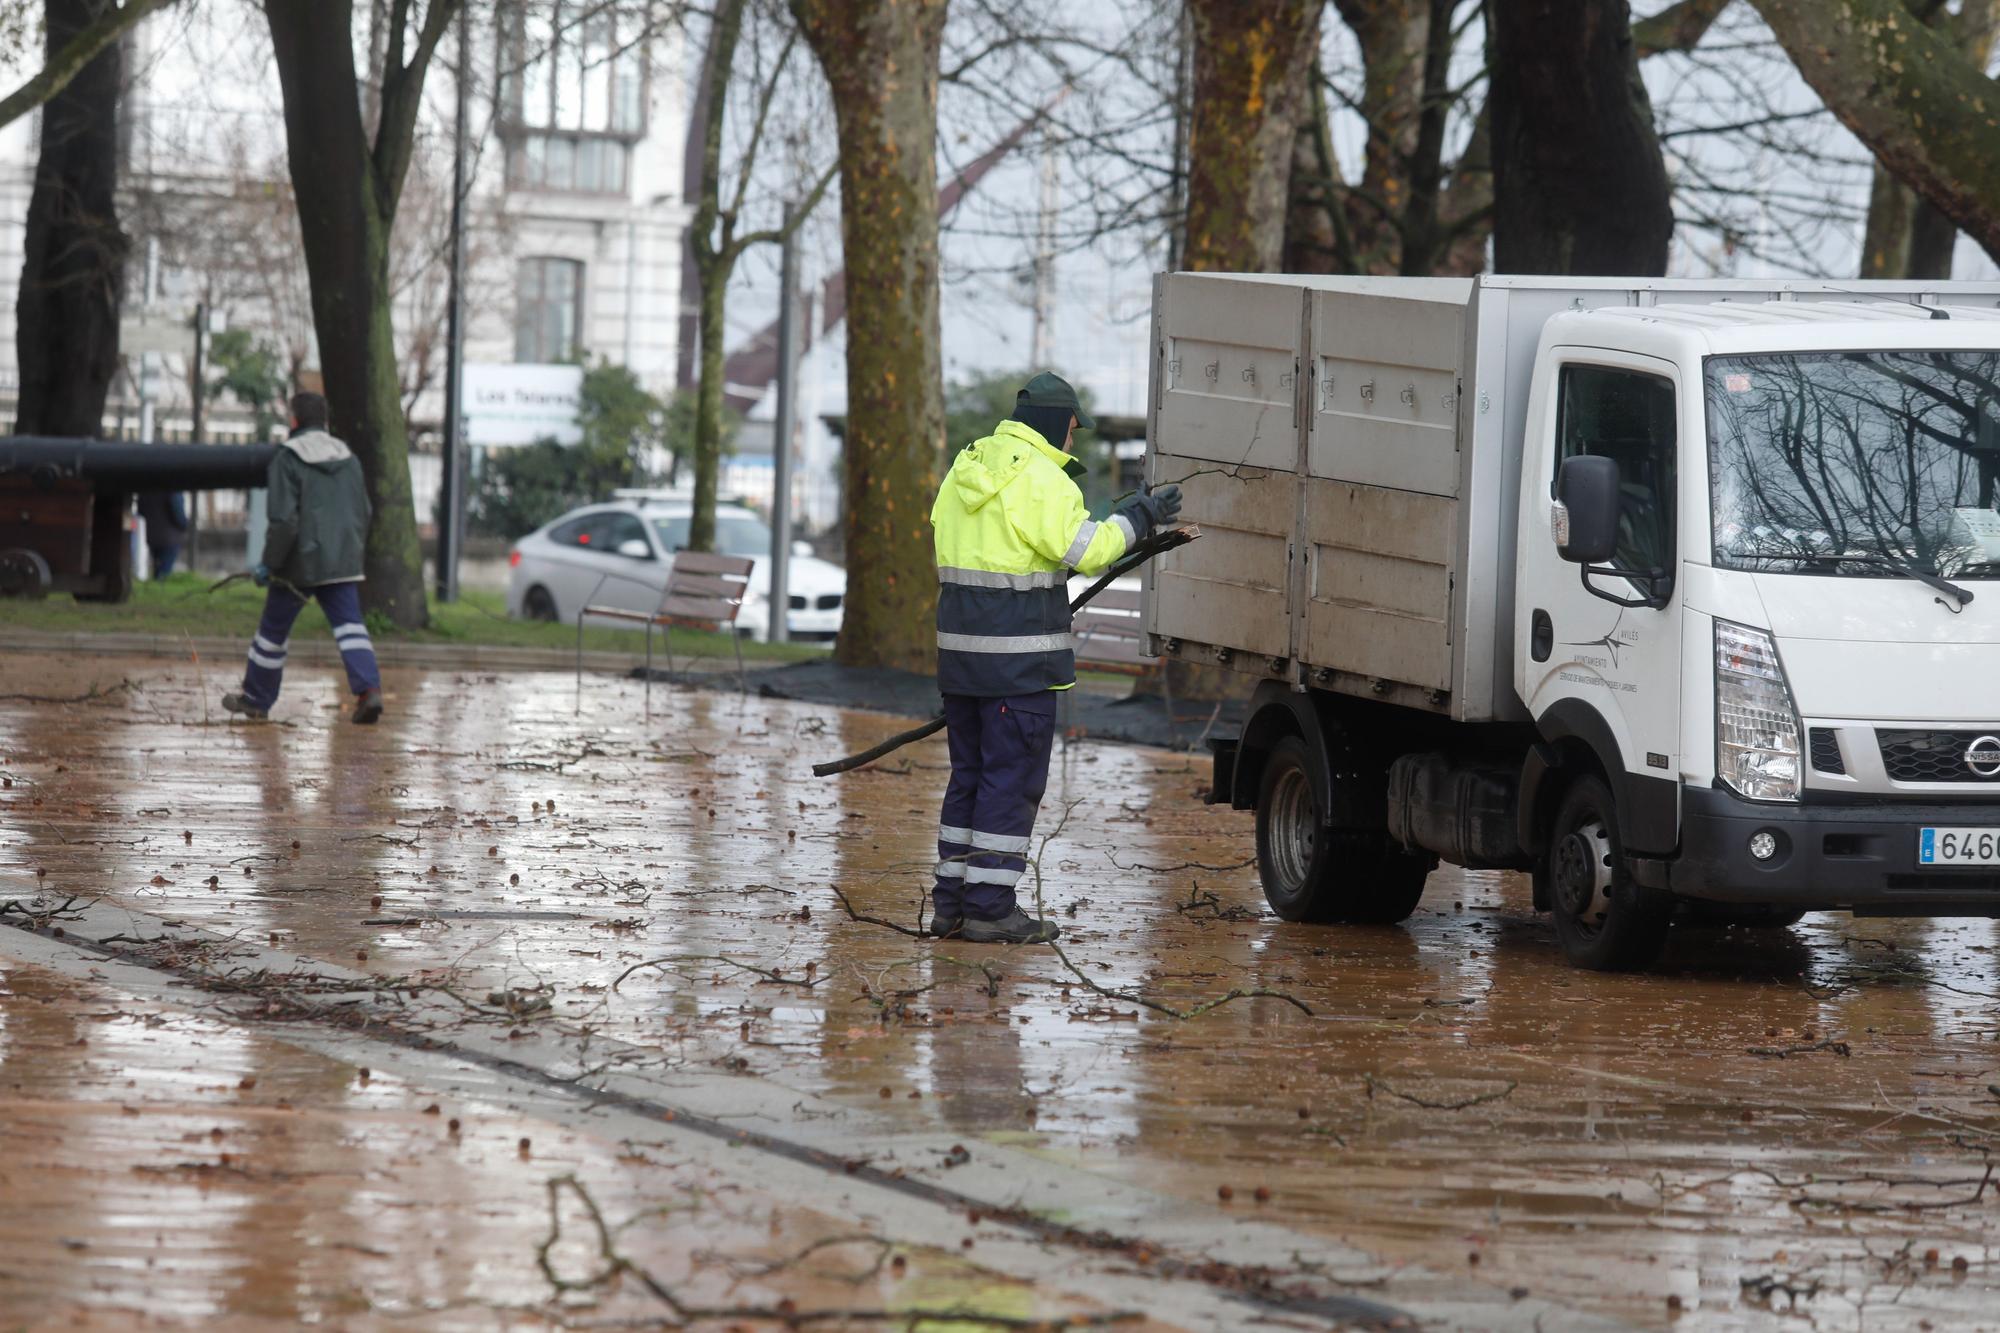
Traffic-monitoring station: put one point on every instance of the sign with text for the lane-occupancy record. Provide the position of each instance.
(508, 404)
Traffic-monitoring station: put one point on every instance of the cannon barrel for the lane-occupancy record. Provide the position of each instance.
(106, 466)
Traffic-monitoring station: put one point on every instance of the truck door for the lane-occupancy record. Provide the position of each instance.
(1608, 674)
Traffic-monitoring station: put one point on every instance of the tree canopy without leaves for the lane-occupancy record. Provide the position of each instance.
(80, 44)
(1910, 93)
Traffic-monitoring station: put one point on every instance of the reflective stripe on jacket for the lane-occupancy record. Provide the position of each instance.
(1009, 525)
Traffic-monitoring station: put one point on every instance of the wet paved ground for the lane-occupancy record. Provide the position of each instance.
(1773, 1128)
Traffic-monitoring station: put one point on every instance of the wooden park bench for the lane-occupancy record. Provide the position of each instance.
(704, 591)
(1110, 635)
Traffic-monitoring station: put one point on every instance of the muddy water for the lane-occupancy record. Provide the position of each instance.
(1770, 1121)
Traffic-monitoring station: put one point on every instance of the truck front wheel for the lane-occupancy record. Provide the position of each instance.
(1605, 921)
(1314, 873)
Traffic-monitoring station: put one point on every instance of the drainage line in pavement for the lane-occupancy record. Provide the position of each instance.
(1251, 1285)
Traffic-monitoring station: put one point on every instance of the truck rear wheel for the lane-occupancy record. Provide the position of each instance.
(1314, 873)
(1605, 921)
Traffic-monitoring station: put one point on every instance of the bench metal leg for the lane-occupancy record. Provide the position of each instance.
(649, 668)
(736, 642)
(579, 663)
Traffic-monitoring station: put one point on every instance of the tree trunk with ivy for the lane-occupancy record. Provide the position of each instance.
(1579, 180)
(880, 58)
(72, 273)
(347, 189)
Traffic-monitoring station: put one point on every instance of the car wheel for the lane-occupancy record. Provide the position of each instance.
(1605, 920)
(1314, 873)
(539, 605)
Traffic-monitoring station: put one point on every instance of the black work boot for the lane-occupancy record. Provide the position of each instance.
(367, 706)
(234, 702)
(944, 927)
(1017, 927)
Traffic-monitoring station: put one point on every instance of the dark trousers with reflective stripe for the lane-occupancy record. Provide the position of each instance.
(999, 770)
(342, 604)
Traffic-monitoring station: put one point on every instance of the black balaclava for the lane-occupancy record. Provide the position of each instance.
(1051, 423)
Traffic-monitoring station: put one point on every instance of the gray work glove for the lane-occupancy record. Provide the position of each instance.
(1151, 509)
(1163, 504)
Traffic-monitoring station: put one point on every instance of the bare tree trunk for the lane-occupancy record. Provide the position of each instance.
(880, 58)
(72, 277)
(347, 194)
(1885, 242)
(1580, 184)
(1252, 59)
(713, 262)
(1316, 235)
(1933, 238)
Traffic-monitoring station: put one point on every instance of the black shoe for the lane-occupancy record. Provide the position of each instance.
(1017, 927)
(243, 708)
(367, 707)
(944, 927)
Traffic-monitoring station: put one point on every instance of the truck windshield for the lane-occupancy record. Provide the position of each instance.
(1852, 463)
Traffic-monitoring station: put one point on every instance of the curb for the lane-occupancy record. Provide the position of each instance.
(322, 652)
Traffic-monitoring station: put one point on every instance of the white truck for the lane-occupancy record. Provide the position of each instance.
(1683, 596)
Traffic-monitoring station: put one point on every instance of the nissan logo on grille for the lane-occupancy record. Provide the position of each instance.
(1983, 756)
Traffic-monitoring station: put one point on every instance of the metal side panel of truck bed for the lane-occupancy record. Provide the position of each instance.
(1351, 448)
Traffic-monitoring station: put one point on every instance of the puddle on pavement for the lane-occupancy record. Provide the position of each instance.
(172, 1167)
(1810, 1108)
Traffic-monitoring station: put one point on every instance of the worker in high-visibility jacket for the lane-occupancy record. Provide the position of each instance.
(1010, 525)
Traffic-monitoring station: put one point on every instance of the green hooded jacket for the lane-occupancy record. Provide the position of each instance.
(318, 512)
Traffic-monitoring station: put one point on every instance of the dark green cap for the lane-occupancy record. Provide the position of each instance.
(1050, 390)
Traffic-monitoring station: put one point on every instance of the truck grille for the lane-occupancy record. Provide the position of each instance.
(1940, 756)
(1826, 751)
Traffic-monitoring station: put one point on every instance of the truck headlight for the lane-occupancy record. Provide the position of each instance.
(1756, 726)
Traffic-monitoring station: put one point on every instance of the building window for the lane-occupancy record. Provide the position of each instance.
(574, 66)
(572, 164)
(548, 317)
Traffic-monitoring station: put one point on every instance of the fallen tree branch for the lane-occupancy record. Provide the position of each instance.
(613, 1266)
(1157, 544)
(1460, 1105)
(88, 696)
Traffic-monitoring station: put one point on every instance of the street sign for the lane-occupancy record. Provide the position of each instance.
(139, 334)
(510, 404)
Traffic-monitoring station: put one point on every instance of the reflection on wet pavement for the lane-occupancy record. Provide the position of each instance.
(1772, 1118)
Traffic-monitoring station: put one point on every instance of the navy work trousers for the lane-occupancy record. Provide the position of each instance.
(999, 770)
(342, 604)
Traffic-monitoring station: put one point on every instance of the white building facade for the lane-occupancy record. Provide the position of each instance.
(574, 212)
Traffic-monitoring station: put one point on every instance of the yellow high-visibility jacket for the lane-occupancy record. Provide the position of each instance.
(1010, 525)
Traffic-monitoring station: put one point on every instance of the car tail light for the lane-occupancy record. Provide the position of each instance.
(514, 557)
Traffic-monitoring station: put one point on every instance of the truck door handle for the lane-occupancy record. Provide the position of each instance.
(1542, 636)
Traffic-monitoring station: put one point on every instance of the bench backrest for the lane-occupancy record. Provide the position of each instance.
(703, 586)
(1109, 632)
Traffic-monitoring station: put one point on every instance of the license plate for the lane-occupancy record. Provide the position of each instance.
(1958, 846)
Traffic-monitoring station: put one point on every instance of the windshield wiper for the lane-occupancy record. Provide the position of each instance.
(1944, 585)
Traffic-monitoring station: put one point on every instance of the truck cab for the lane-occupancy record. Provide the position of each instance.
(1698, 616)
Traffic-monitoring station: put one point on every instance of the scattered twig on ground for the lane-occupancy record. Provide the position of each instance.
(1200, 900)
(40, 917)
(90, 695)
(1765, 1286)
(805, 981)
(1425, 1102)
(1786, 1052)
(1180, 866)
(380, 837)
(916, 934)
(613, 1266)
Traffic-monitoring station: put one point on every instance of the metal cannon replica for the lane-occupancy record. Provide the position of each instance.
(63, 505)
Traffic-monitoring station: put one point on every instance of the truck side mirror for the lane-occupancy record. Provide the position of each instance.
(1587, 489)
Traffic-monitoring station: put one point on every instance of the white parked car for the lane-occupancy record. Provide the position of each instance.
(618, 554)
